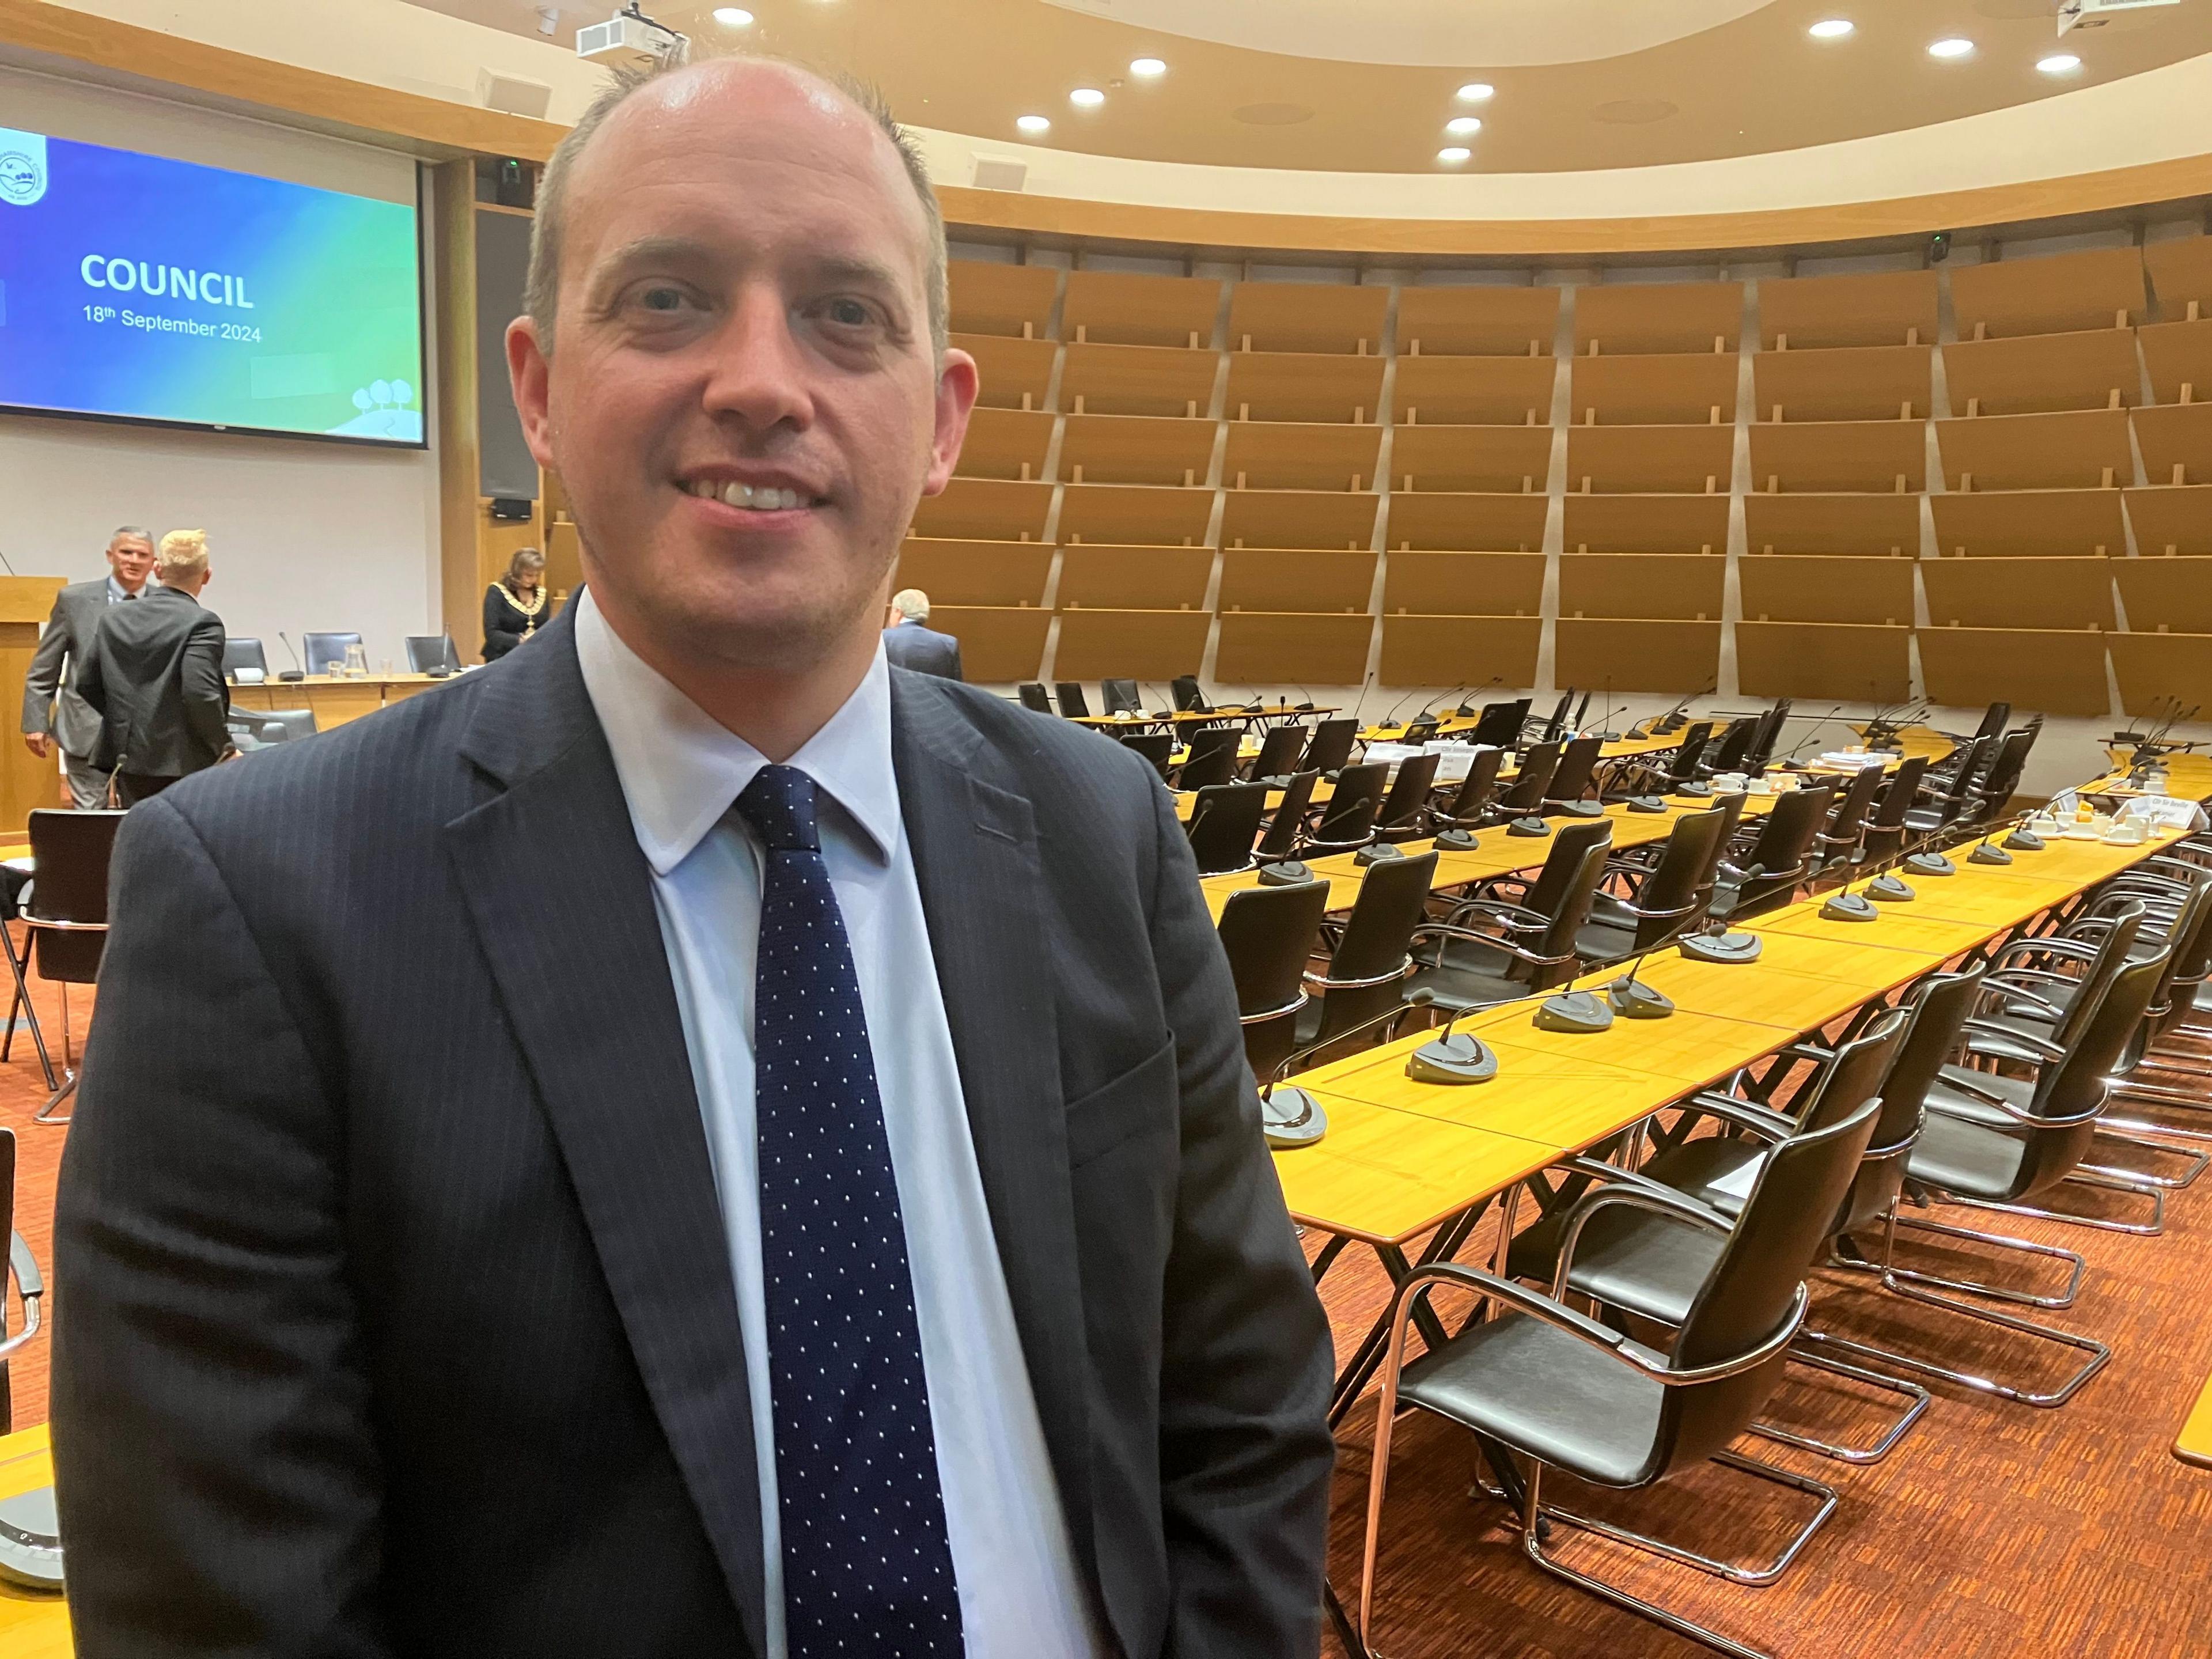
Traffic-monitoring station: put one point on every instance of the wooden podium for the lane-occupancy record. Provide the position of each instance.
(25, 781)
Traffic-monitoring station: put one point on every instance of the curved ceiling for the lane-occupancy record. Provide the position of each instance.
(1681, 80)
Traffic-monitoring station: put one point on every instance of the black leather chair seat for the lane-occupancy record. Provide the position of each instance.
(1698, 1167)
(1538, 1388)
(1966, 1158)
(1599, 941)
(1956, 1102)
(1995, 1045)
(1646, 1264)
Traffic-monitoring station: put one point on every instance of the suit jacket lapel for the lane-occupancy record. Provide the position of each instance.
(561, 900)
(975, 858)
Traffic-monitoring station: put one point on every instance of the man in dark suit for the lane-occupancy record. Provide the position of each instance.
(155, 677)
(912, 644)
(690, 1140)
(53, 713)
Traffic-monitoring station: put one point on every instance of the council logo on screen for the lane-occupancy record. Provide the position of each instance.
(23, 166)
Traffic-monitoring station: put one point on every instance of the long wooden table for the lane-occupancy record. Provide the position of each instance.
(335, 698)
(33, 1624)
(2194, 1444)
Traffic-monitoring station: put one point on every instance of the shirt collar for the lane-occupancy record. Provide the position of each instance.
(116, 591)
(681, 768)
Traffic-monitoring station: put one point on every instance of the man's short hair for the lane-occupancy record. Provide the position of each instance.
(541, 292)
(182, 556)
(912, 604)
(131, 532)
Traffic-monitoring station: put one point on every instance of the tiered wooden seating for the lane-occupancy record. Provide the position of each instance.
(1815, 588)
(1463, 585)
(1839, 455)
(1163, 449)
(2181, 274)
(1645, 524)
(1010, 373)
(1160, 515)
(2154, 669)
(1005, 443)
(1116, 308)
(1859, 662)
(2037, 670)
(2080, 449)
(2174, 594)
(1138, 645)
(1476, 650)
(995, 299)
(1335, 317)
(2102, 289)
(1135, 379)
(1862, 383)
(1658, 317)
(1106, 577)
(1638, 655)
(2179, 358)
(1472, 391)
(2061, 593)
(1288, 386)
(1884, 308)
(1676, 586)
(1859, 525)
(996, 574)
(1700, 390)
(995, 645)
(1468, 523)
(1478, 458)
(986, 509)
(1300, 455)
(1256, 648)
(1297, 518)
(2169, 518)
(2093, 369)
(1650, 459)
(2177, 442)
(1275, 579)
(2029, 523)
(1476, 321)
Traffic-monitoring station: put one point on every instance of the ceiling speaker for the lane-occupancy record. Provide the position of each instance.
(992, 173)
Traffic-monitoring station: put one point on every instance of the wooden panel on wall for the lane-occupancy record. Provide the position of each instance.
(1463, 584)
(1300, 455)
(2029, 523)
(26, 782)
(1476, 321)
(1471, 457)
(1494, 652)
(1647, 460)
(1608, 390)
(1658, 317)
(1473, 392)
(564, 563)
(1259, 648)
(2049, 295)
(996, 646)
(1131, 308)
(1468, 523)
(2036, 671)
(985, 509)
(1861, 383)
(2080, 449)
(2059, 594)
(2176, 440)
(994, 299)
(1329, 317)
(2163, 593)
(974, 573)
(1676, 586)
(1010, 373)
(2179, 358)
(1839, 455)
(1854, 662)
(1825, 589)
(1893, 307)
(1637, 656)
(1161, 515)
(2180, 270)
(2095, 369)
(1294, 579)
(1647, 524)
(461, 511)
(1302, 385)
(1138, 644)
(1134, 578)
(1152, 449)
(1136, 379)
(1297, 518)
(2171, 518)
(1005, 443)
(2157, 670)
(1857, 525)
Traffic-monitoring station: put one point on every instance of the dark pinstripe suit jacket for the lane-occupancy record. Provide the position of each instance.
(396, 1318)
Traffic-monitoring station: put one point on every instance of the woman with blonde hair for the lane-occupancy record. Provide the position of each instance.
(514, 605)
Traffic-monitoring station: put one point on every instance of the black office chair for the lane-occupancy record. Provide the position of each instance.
(1120, 697)
(1368, 954)
(1329, 748)
(429, 654)
(1072, 703)
(1188, 699)
(1279, 750)
(1347, 821)
(1224, 823)
(1211, 758)
(1947, 793)
(1404, 814)
(1460, 967)
(242, 651)
(1499, 724)
(23, 1267)
(1524, 796)
(1766, 735)
(1781, 857)
(1885, 831)
(1555, 729)
(1286, 828)
(1728, 755)
(1470, 805)
(1158, 747)
(1420, 730)
(66, 921)
(1682, 767)
(1570, 780)
(1841, 842)
(1564, 1391)
(326, 652)
(1269, 935)
(1663, 899)
(1994, 791)
(1033, 697)
(1995, 719)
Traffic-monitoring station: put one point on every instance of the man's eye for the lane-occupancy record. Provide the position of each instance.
(662, 299)
(848, 313)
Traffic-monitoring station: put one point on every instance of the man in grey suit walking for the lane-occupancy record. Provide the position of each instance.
(912, 643)
(52, 711)
(692, 1140)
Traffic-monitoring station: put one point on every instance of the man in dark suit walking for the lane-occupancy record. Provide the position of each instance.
(691, 1140)
(912, 644)
(155, 677)
(53, 713)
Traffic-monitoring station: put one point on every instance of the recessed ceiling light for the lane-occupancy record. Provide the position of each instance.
(2063, 63)
(733, 17)
(1454, 153)
(1952, 47)
(1832, 28)
(1461, 126)
(1146, 67)
(1086, 98)
(1474, 92)
(1032, 124)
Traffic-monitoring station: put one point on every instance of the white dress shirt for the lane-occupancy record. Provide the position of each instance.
(1021, 1596)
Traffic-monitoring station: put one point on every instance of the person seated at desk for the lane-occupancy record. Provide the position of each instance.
(154, 676)
(514, 605)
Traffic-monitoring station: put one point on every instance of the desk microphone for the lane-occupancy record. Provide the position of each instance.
(1367, 686)
(295, 673)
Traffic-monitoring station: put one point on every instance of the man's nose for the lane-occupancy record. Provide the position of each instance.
(758, 369)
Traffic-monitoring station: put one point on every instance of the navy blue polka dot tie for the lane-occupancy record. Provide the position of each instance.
(867, 1570)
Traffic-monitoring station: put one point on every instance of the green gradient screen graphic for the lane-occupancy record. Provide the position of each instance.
(135, 287)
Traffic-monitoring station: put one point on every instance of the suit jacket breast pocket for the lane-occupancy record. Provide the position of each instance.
(1142, 1100)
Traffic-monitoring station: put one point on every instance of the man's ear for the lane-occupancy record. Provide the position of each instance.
(957, 385)
(530, 372)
